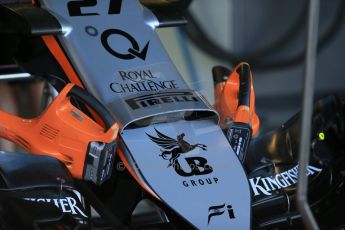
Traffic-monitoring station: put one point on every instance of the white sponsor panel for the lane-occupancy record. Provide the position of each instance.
(265, 185)
(66, 204)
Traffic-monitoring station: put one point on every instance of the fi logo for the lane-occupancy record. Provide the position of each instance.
(219, 210)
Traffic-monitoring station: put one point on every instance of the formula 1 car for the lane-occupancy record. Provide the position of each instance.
(125, 127)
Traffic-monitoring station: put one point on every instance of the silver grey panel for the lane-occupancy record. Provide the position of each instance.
(118, 55)
(191, 196)
(161, 106)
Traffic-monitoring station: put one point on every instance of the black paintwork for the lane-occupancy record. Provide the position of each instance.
(168, 14)
(277, 151)
(27, 20)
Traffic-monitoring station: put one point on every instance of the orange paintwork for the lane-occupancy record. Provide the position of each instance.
(226, 102)
(55, 49)
(61, 131)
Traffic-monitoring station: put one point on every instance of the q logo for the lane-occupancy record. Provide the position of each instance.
(133, 51)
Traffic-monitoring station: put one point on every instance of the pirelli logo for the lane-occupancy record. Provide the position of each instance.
(160, 99)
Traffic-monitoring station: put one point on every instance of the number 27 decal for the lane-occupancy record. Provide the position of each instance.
(74, 7)
(134, 51)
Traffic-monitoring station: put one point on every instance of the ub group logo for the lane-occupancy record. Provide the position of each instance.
(174, 148)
